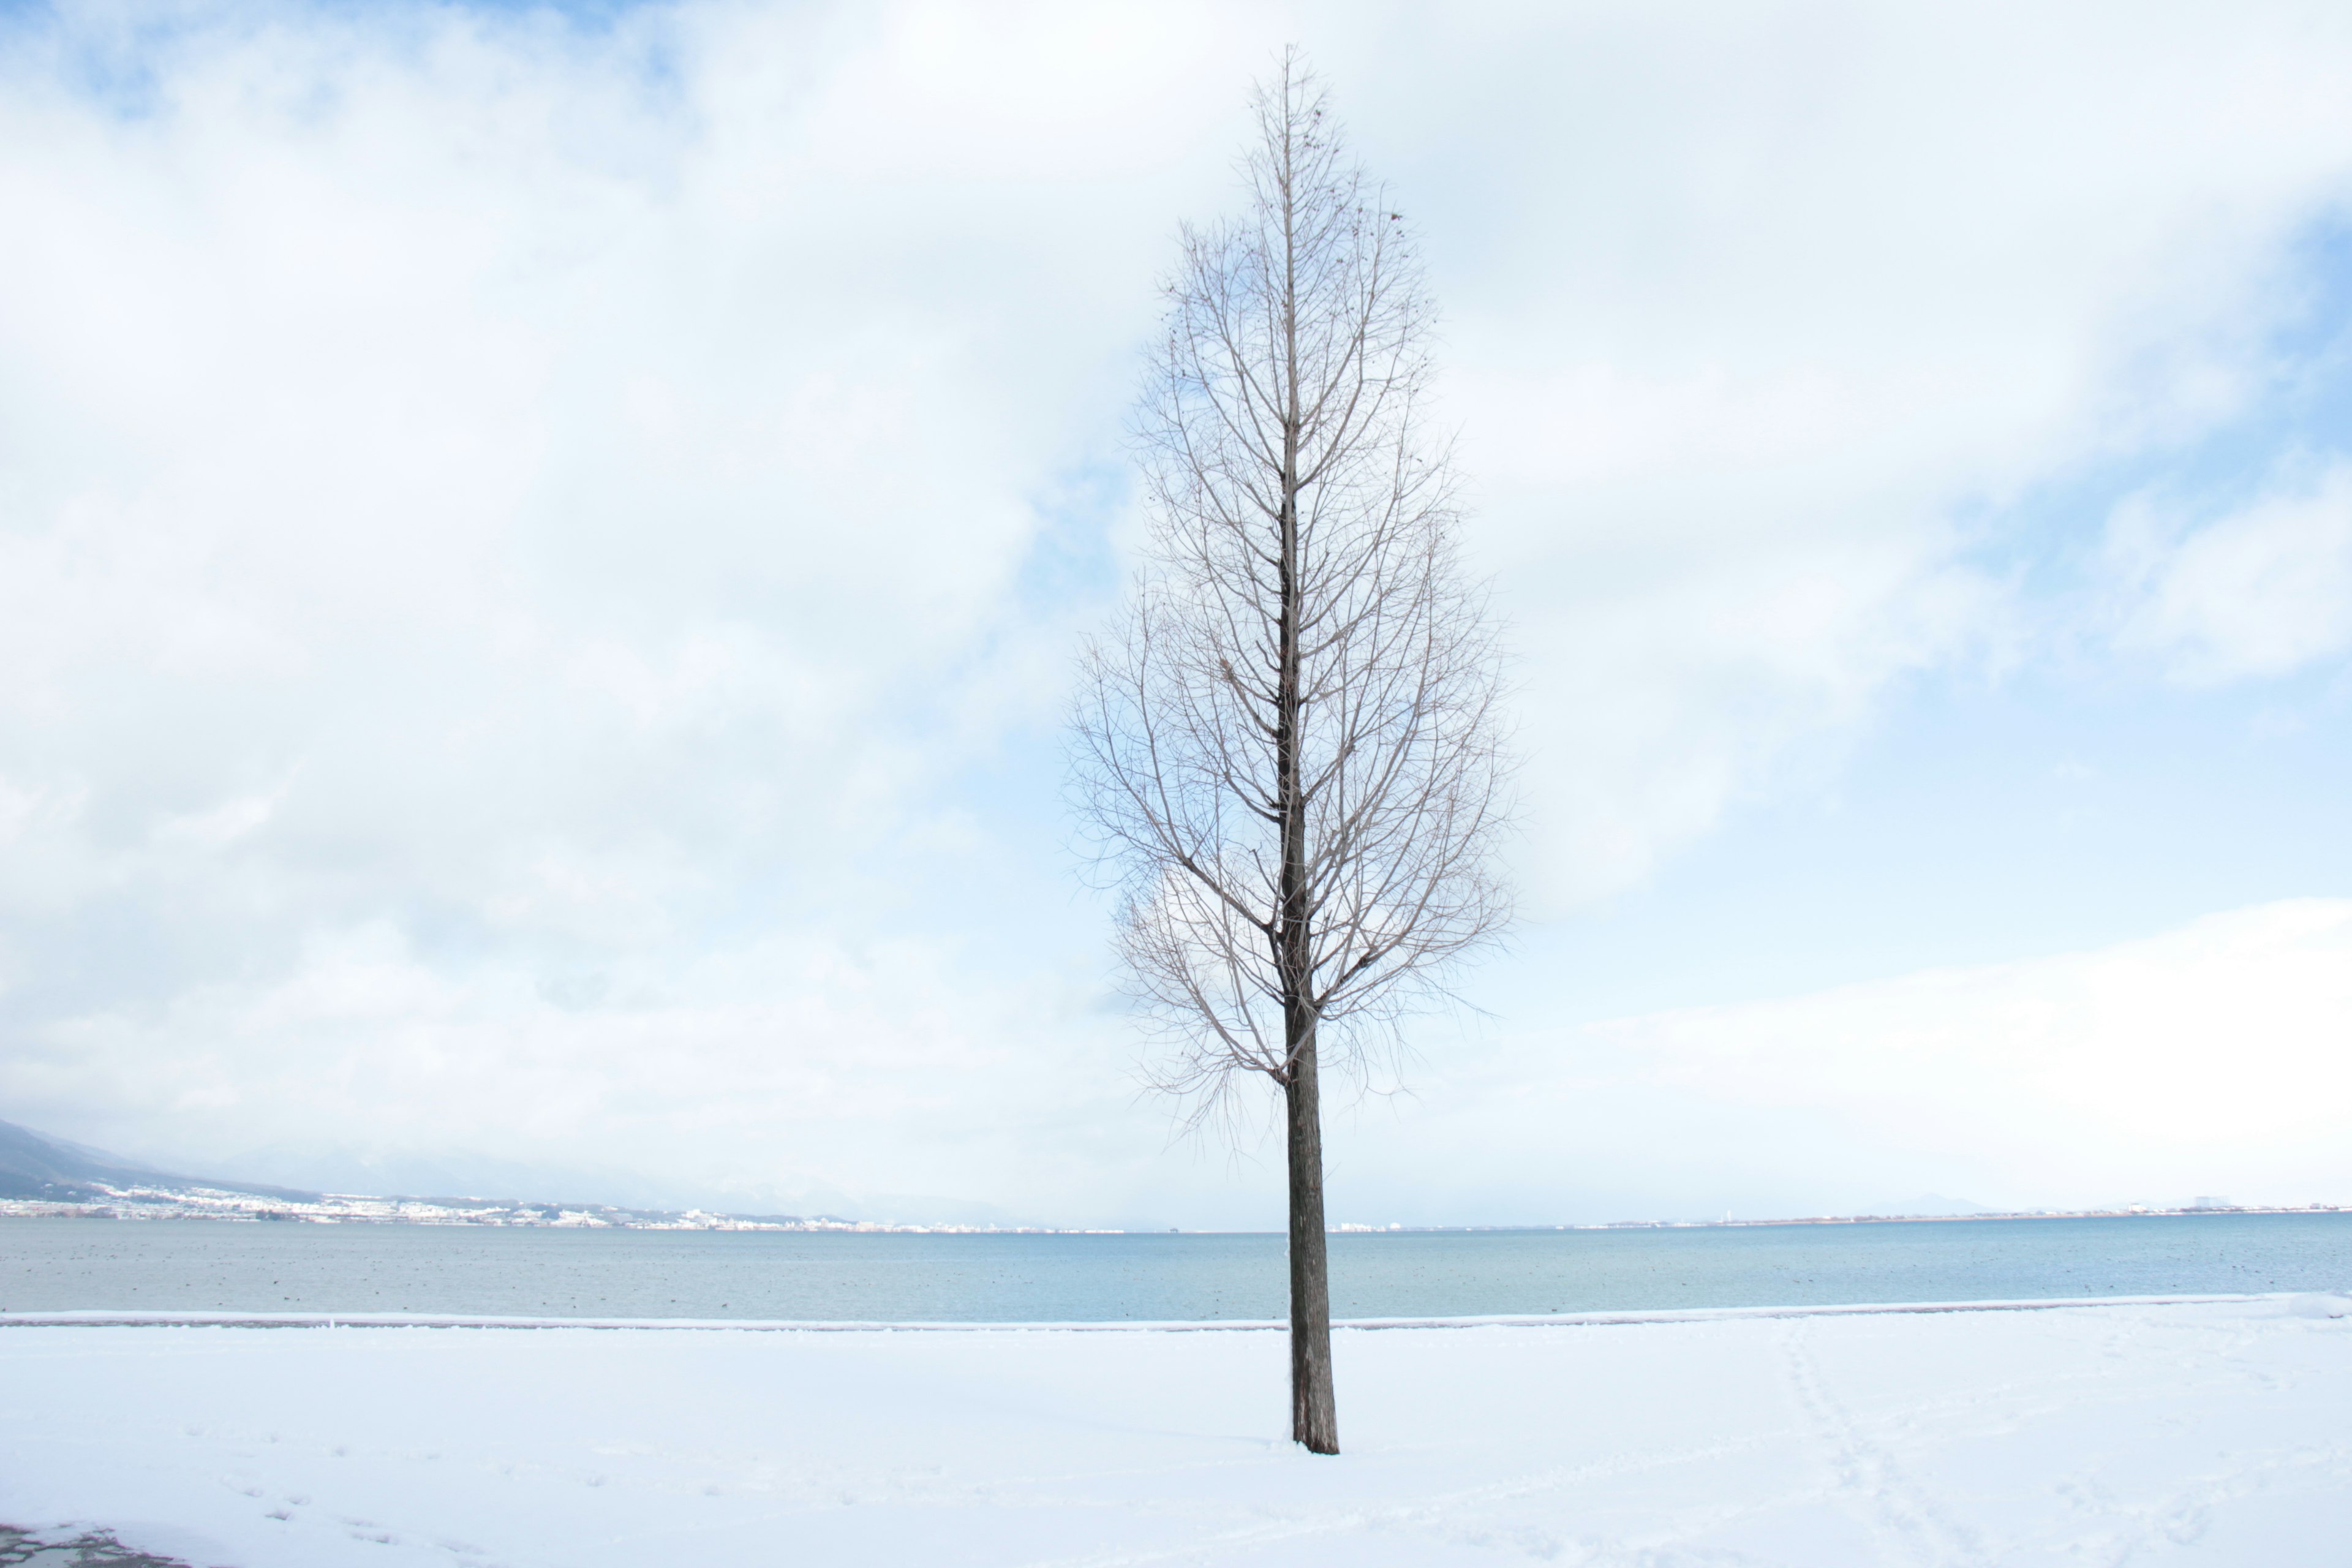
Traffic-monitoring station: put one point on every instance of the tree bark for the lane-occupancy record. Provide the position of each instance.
(1314, 1418)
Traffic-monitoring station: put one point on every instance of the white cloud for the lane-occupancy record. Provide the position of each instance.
(1758, 311)
(514, 538)
(757, 1077)
(2205, 1059)
(2262, 591)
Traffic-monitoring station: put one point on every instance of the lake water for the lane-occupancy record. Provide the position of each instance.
(49, 1265)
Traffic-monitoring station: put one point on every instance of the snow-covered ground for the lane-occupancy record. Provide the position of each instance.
(2209, 1433)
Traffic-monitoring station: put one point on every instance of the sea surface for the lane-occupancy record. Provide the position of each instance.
(50, 1264)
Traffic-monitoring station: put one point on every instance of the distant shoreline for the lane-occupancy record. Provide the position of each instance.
(159, 1202)
(2136, 1211)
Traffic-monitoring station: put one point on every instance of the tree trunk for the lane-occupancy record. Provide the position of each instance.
(1313, 1419)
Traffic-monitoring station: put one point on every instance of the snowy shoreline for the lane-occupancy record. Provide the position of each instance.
(138, 1319)
(2204, 1432)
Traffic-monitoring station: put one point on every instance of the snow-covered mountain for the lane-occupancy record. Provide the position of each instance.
(39, 1167)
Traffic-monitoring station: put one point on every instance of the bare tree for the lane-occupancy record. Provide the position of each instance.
(1291, 747)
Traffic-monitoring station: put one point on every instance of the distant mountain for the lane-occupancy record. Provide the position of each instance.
(39, 1166)
(33, 1167)
(36, 1165)
(38, 1169)
(329, 1168)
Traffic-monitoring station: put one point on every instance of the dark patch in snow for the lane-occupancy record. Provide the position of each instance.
(90, 1549)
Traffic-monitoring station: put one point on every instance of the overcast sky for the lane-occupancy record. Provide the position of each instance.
(540, 556)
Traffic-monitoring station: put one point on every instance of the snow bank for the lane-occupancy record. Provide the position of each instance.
(2204, 1433)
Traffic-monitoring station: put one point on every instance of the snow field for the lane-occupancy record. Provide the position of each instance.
(2204, 1434)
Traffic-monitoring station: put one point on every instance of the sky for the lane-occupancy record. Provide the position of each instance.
(542, 554)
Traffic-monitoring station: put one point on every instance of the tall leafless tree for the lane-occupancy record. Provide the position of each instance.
(1291, 748)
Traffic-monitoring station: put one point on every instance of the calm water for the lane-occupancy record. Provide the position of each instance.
(51, 1265)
